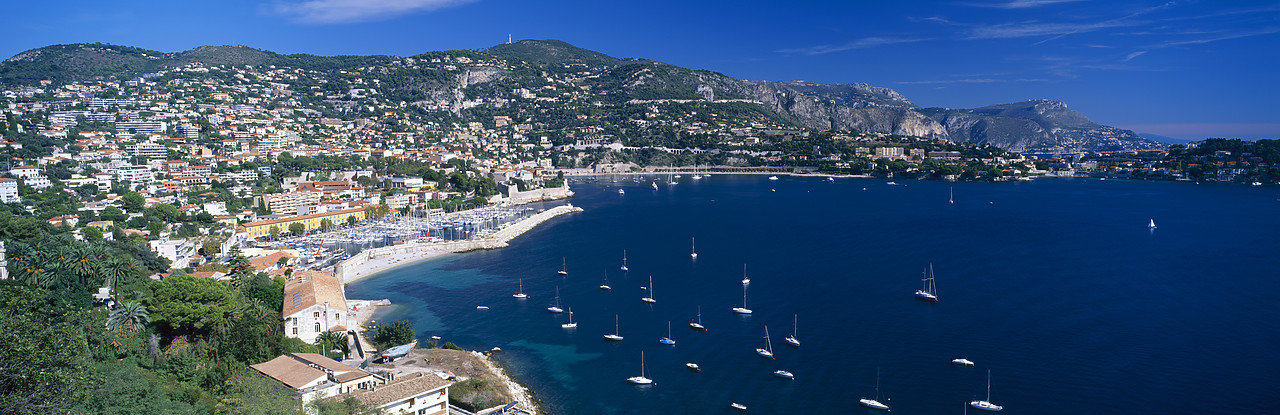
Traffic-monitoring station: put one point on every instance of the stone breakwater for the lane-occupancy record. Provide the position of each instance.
(372, 261)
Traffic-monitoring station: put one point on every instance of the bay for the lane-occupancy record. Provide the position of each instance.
(1056, 286)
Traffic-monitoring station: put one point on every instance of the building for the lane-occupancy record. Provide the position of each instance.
(288, 203)
(137, 176)
(892, 153)
(177, 251)
(9, 191)
(142, 126)
(188, 132)
(316, 377)
(406, 182)
(415, 393)
(263, 228)
(148, 150)
(31, 177)
(314, 302)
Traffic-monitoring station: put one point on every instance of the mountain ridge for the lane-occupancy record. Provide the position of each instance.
(1028, 126)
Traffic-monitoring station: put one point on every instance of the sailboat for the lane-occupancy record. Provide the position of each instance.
(784, 374)
(570, 324)
(605, 285)
(649, 298)
(697, 324)
(792, 340)
(616, 335)
(667, 340)
(875, 403)
(624, 261)
(520, 294)
(555, 308)
(930, 290)
(745, 280)
(952, 199)
(986, 405)
(640, 380)
(655, 185)
(767, 351)
(693, 244)
(743, 309)
(564, 267)
(1152, 225)
(622, 192)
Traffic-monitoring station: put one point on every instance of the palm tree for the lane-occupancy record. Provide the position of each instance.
(131, 315)
(114, 270)
(329, 340)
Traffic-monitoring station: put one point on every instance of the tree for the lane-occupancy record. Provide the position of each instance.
(115, 270)
(394, 334)
(91, 234)
(189, 304)
(133, 202)
(274, 231)
(130, 316)
(326, 223)
(351, 219)
(331, 340)
(43, 364)
(297, 228)
(113, 214)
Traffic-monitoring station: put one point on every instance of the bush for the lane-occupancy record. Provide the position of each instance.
(450, 346)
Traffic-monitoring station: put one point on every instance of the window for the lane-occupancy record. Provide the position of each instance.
(315, 314)
(317, 327)
(295, 331)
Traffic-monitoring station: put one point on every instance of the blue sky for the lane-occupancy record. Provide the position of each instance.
(1183, 69)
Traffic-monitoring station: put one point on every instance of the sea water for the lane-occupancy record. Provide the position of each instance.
(1056, 286)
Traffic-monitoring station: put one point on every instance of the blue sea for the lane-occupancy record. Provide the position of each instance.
(1056, 287)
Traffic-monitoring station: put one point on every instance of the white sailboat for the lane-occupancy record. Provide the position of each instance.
(697, 324)
(962, 362)
(555, 308)
(616, 336)
(767, 351)
(743, 309)
(667, 340)
(564, 267)
(649, 298)
(624, 261)
(930, 290)
(640, 380)
(986, 404)
(570, 324)
(655, 185)
(784, 374)
(875, 403)
(745, 280)
(1152, 225)
(773, 177)
(693, 246)
(605, 285)
(792, 340)
(520, 294)
(622, 192)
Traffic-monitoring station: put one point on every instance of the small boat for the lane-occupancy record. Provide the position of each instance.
(605, 285)
(745, 280)
(520, 294)
(962, 362)
(649, 298)
(773, 177)
(640, 380)
(738, 406)
(615, 336)
(555, 308)
(784, 374)
(930, 290)
(875, 403)
(693, 247)
(767, 351)
(564, 267)
(482, 307)
(986, 404)
(697, 324)
(570, 324)
(667, 340)
(892, 183)
(622, 192)
(693, 367)
(655, 185)
(677, 176)
(831, 179)
(792, 340)
(1152, 225)
(624, 261)
(743, 309)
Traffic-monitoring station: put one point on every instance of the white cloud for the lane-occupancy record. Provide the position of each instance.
(354, 11)
(1134, 55)
(1020, 4)
(857, 44)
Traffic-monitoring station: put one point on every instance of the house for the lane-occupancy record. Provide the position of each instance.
(269, 262)
(416, 393)
(9, 191)
(316, 377)
(178, 251)
(314, 302)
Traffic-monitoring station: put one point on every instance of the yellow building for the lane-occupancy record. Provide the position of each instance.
(312, 221)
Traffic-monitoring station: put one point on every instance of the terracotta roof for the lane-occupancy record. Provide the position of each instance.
(402, 388)
(295, 218)
(290, 371)
(307, 288)
(268, 261)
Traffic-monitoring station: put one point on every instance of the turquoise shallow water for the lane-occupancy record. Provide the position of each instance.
(1056, 286)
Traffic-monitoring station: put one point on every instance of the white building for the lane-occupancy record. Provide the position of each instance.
(178, 251)
(31, 177)
(137, 176)
(314, 303)
(314, 376)
(9, 191)
(288, 203)
(415, 393)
